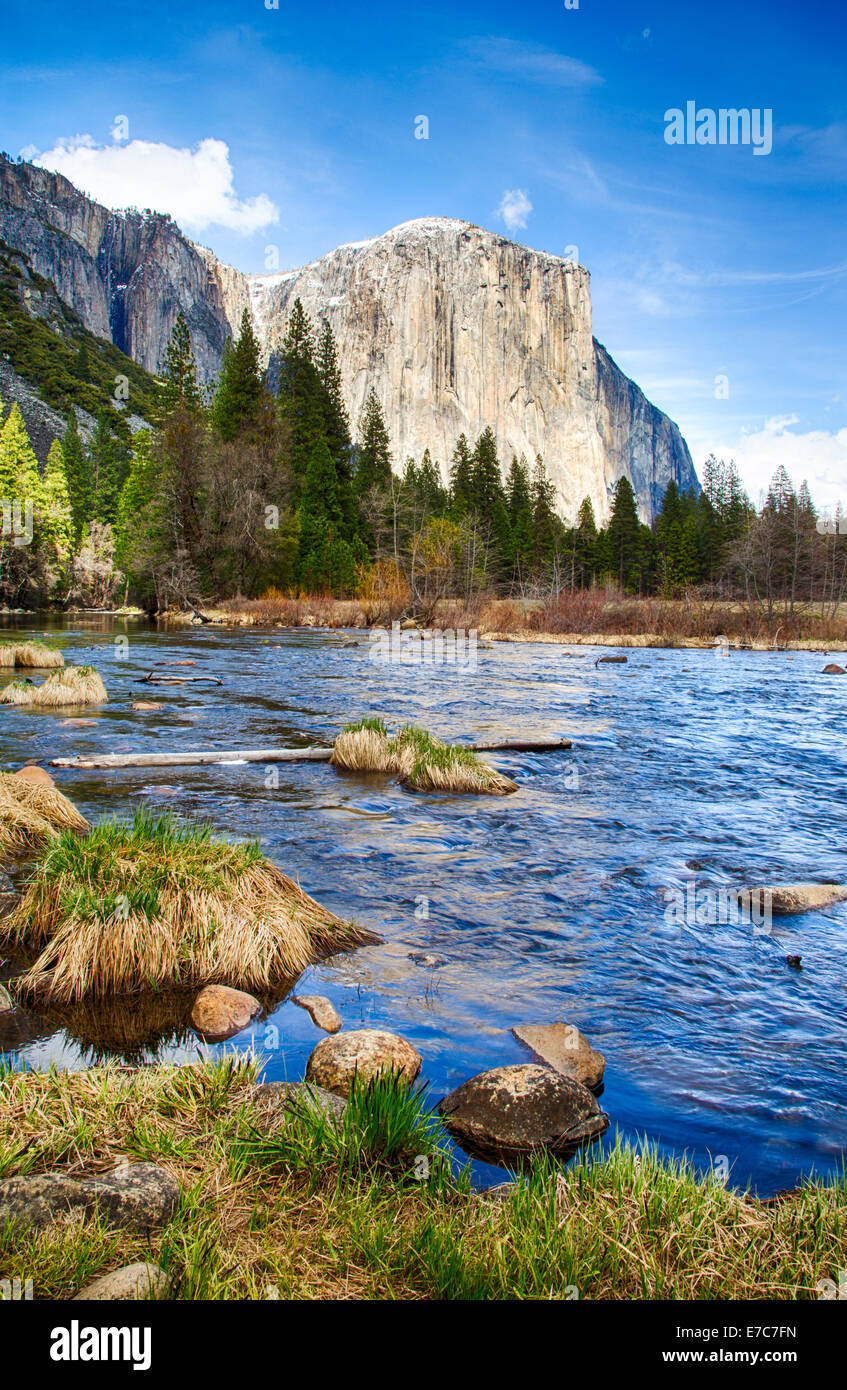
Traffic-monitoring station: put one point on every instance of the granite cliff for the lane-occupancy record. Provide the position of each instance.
(454, 327)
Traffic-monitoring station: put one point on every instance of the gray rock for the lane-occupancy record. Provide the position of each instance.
(138, 1195)
(275, 1101)
(7, 1003)
(138, 1281)
(563, 1047)
(322, 1011)
(365, 1053)
(505, 1115)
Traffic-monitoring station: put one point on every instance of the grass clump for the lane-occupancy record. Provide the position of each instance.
(75, 685)
(329, 1211)
(156, 905)
(37, 655)
(32, 815)
(419, 760)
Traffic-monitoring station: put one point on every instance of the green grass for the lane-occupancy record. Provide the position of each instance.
(322, 1210)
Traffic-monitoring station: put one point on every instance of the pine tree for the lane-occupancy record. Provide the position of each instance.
(240, 391)
(179, 371)
(301, 394)
(336, 419)
(57, 524)
(545, 521)
(20, 480)
(373, 467)
(584, 543)
(80, 479)
(325, 560)
(108, 470)
(519, 507)
(624, 536)
(460, 478)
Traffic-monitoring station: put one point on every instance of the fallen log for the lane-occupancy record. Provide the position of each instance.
(214, 756)
(522, 745)
(222, 756)
(152, 679)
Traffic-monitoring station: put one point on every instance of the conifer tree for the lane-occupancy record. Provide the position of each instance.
(373, 465)
(80, 480)
(179, 371)
(624, 535)
(460, 478)
(56, 517)
(545, 522)
(240, 391)
(300, 391)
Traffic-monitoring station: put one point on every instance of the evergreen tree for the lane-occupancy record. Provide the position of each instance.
(583, 545)
(240, 391)
(107, 469)
(179, 371)
(301, 394)
(460, 478)
(20, 480)
(325, 561)
(519, 545)
(57, 524)
(80, 479)
(624, 536)
(544, 518)
(373, 469)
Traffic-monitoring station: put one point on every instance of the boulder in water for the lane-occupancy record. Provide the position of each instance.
(365, 1053)
(506, 1115)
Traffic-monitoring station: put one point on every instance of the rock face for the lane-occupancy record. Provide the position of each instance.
(138, 1281)
(457, 328)
(126, 274)
(220, 1012)
(564, 1048)
(137, 1195)
(454, 327)
(365, 1053)
(502, 1116)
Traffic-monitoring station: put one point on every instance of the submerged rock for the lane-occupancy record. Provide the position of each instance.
(138, 1281)
(365, 1053)
(833, 669)
(322, 1011)
(505, 1115)
(789, 899)
(138, 1195)
(220, 1012)
(611, 660)
(275, 1101)
(563, 1048)
(146, 706)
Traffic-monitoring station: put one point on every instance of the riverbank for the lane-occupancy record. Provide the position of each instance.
(305, 1209)
(581, 619)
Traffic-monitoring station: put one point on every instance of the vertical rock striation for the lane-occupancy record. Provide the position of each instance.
(455, 328)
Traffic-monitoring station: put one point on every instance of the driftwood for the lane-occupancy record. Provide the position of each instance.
(222, 756)
(152, 679)
(217, 755)
(522, 745)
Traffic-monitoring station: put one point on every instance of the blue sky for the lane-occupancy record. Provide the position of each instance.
(295, 128)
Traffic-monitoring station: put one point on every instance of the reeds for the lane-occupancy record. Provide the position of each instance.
(157, 905)
(31, 815)
(420, 761)
(33, 655)
(75, 685)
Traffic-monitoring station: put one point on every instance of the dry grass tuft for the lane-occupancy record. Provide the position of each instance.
(75, 685)
(155, 905)
(37, 656)
(419, 760)
(31, 815)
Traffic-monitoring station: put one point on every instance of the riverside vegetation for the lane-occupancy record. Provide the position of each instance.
(370, 1206)
(261, 495)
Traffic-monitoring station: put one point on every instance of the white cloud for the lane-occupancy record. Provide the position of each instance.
(818, 456)
(514, 208)
(194, 186)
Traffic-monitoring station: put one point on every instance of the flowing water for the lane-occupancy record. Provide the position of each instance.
(549, 904)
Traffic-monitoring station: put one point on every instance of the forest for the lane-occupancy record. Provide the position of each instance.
(262, 485)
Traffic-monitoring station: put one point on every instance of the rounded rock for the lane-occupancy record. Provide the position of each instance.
(365, 1053)
(38, 776)
(505, 1115)
(220, 1012)
(138, 1281)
